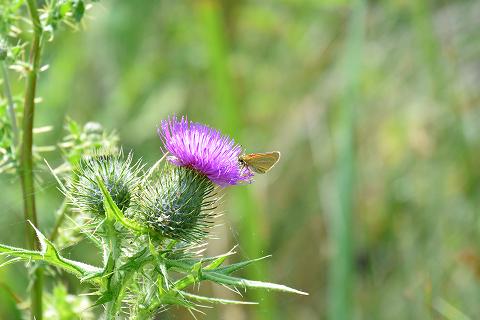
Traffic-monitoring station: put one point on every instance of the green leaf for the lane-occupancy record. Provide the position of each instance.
(185, 282)
(64, 8)
(218, 260)
(177, 300)
(244, 283)
(136, 261)
(222, 278)
(213, 300)
(197, 269)
(164, 274)
(237, 266)
(104, 298)
(78, 10)
(174, 299)
(214, 261)
(50, 254)
(92, 276)
(114, 213)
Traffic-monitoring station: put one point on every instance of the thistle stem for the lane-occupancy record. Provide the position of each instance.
(112, 282)
(26, 159)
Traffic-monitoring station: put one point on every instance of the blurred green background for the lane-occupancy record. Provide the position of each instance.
(374, 105)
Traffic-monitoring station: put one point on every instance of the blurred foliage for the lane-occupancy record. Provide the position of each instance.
(63, 306)
(271, 77)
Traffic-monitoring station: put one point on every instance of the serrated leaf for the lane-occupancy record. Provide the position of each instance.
(244, 283)
(237, 266)
(50, 254)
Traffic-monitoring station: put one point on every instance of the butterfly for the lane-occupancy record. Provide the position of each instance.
(260, 162)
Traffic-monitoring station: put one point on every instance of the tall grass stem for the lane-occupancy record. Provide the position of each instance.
(341, 268)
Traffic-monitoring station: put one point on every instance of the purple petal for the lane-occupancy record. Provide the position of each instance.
(204, 149)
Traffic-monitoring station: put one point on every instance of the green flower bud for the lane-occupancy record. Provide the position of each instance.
(180, 205)
(119, 176)
(93, 128)
(3, 50)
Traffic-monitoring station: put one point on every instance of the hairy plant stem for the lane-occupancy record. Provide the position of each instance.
(26, 159)
(112, 281)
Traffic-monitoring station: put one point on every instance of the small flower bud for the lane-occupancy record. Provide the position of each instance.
(120, 178)
(93, 128)
(180, 205)
(3, 50)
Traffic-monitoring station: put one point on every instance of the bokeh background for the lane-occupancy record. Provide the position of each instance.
(374, 105)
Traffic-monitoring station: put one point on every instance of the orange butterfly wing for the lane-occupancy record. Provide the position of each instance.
(260, 162)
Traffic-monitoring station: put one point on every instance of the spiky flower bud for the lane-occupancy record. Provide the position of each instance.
(201, 159)
(118, 174)
(180, 204)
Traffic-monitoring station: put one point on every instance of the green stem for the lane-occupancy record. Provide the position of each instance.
(112, 281)
(127, 277)
(26, 159)
(10, 105)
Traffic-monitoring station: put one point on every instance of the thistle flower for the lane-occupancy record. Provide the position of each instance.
(118, 174)
(180, 204)
(204, 149)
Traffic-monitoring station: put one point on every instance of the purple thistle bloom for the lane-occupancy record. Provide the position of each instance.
(204, 149)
